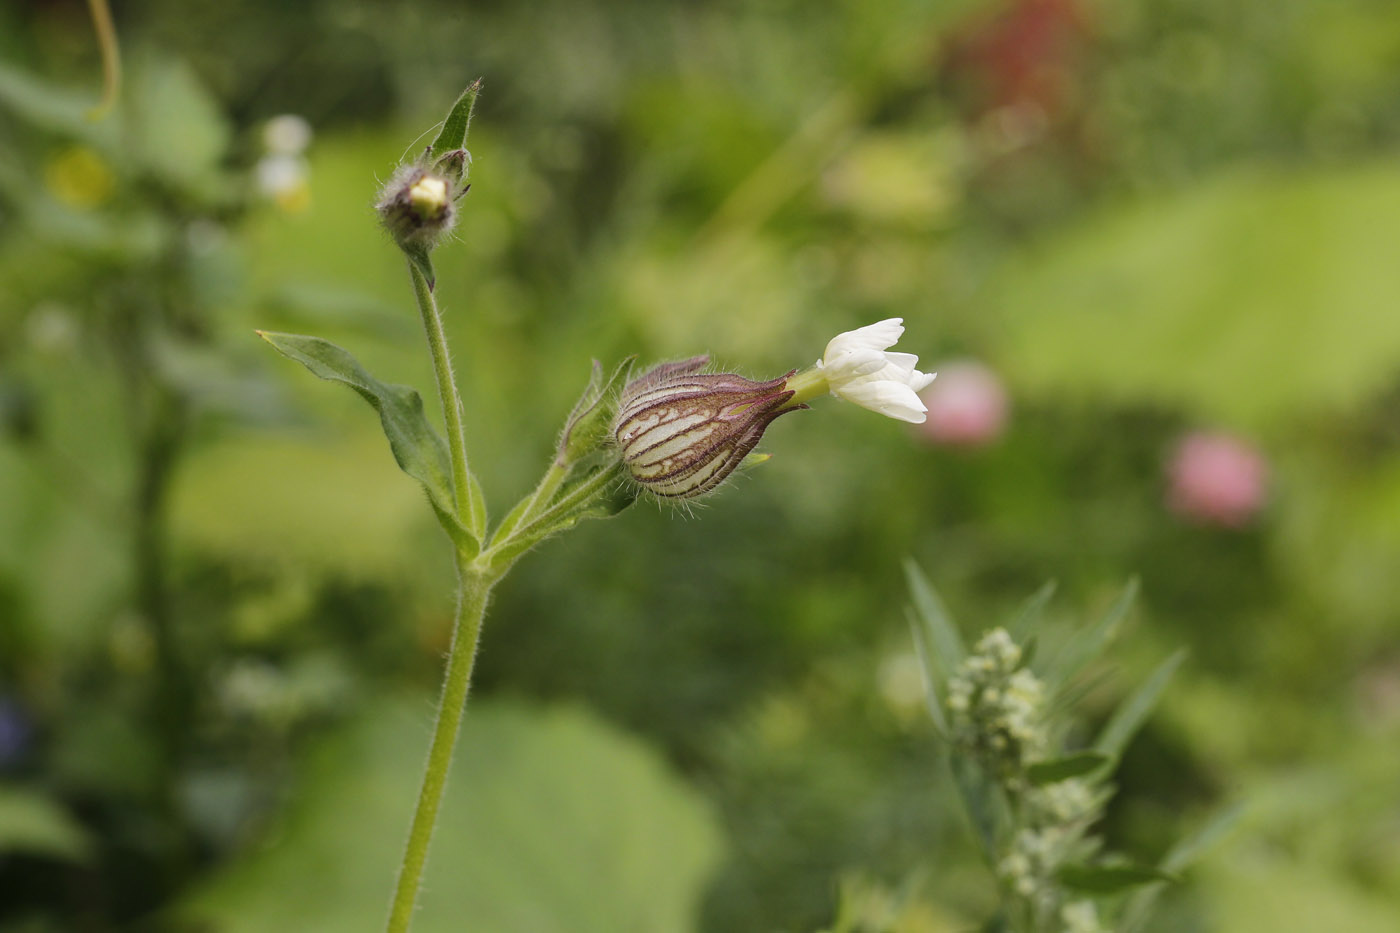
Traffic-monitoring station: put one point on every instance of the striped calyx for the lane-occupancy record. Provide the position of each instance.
(681, 432)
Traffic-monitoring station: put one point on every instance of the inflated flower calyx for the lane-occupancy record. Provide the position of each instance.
(681, 432)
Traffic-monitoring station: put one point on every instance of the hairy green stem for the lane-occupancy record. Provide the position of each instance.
(473, 593)
(471, 508)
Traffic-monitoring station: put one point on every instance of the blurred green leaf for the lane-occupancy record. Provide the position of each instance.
(1110, 879)
(1086, 644)
(53, 109)
(1030, 614)
(1060, 769)
(33, 824)
(418, 449)
(981, 800)
(946, 644)
(552, 822)
(1180, 857)
(181, 128)
(1255, 299)
(1133, 711)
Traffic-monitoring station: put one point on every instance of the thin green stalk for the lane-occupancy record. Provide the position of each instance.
(471, 508)
(473, 593)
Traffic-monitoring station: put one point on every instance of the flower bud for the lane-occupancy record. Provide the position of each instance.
(418, 207)
(682, 432)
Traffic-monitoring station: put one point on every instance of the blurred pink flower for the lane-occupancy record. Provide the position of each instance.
(1217, 479)
(967, 405)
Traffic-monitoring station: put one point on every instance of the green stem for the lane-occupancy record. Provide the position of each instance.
(809, 384)
(473, 592)
(471, 508)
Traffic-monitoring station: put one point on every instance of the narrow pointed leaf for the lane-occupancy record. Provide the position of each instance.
(1061, 769)
(1128, 718)
(945, 644)
(932, 694)
(1087, 644)
(1111, 879)
(1180, 857)
(418, 449)
(459, 118)
(599, 494)
(1030, 613)
(980, 800)
(1185, 853)
(422, 260)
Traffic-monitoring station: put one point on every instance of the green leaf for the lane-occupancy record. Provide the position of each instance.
(418, 449)
(422, 258)
(600, 493)
(1031, 612)
(181, 130)
(1128, 718)
(927, 667)
(33, 824)
(945, 644)
(981, 800)
(1180, 857)
(55, 110)
(1061, 769)
(1185, 852)
(552, 821)
(1110, 879)
(1088, 643)
(459, 118)
(1291, 272)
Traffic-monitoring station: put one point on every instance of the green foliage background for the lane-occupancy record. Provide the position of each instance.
(1150, 216)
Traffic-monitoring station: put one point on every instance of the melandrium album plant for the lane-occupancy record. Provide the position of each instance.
(674, 432)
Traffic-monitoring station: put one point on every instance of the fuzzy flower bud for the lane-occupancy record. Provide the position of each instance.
(418, 207)
(682, 432)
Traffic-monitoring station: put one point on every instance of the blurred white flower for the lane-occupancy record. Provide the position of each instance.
(860, 368)
(280, 174)
(287, 134)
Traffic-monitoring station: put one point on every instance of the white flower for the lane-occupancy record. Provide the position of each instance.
(859, 367)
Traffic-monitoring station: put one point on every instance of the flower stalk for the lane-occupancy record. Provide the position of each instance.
(674, 432)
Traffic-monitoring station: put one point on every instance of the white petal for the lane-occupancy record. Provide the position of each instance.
(877, 336)
(888, 398)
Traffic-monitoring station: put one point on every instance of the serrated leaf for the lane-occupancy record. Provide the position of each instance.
(1110, 879)
(1088, 643)
(33, 824)
(1128, 718)
(1069, 766)
(459, 119)
(418, 449)
(946, 650)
